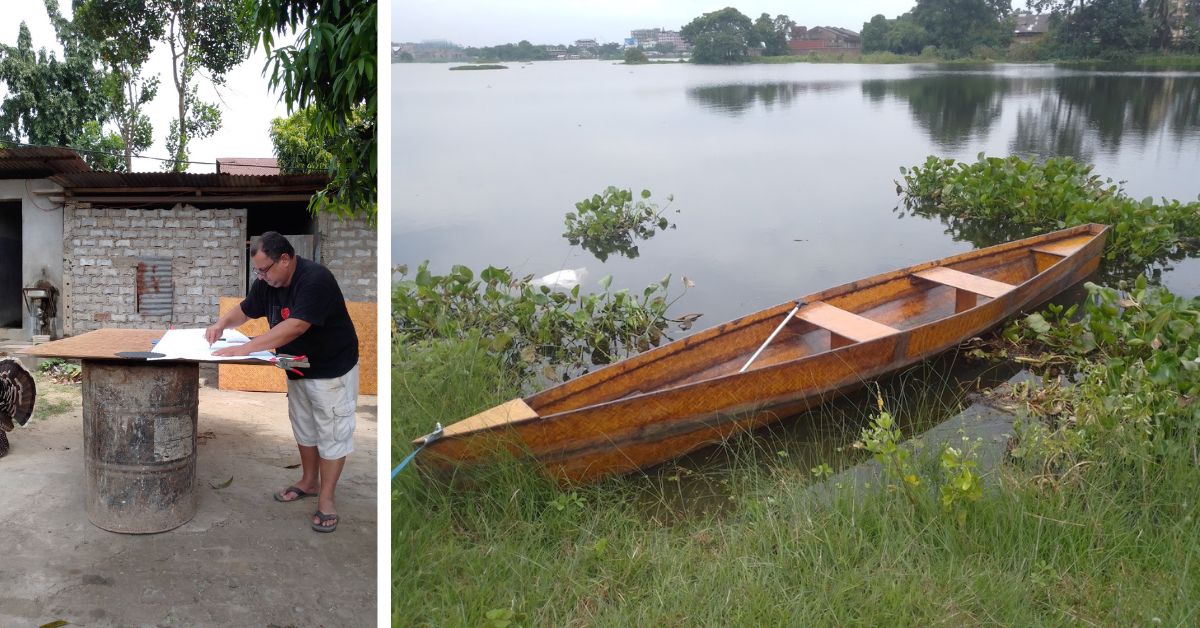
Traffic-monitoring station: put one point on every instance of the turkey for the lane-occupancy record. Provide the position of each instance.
(17, 394)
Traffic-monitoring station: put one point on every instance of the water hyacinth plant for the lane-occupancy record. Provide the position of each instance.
(533, 328)
(997, 199)
(612, 221)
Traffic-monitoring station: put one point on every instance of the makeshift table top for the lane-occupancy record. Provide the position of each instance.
(104, 344)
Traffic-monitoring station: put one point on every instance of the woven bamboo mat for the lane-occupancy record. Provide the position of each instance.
(232, 376)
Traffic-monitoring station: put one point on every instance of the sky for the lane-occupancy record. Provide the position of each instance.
(490, 22)
(246, 102)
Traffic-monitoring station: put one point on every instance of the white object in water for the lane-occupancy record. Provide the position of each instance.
(563, 279)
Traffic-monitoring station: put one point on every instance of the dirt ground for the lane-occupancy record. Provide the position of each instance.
(243, 560)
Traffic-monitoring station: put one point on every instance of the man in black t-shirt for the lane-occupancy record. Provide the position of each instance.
(307, 315)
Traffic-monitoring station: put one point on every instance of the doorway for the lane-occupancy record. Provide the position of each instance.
(12, 302)
(290, 219)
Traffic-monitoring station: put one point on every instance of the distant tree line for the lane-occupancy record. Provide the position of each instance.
(955, 27)
(1120, 28)
(525, 51)
(1078, 28)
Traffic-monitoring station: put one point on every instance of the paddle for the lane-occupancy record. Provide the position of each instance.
(799, 304)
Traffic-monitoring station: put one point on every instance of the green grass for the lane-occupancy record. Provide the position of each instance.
(54, 399)
(1111, 544)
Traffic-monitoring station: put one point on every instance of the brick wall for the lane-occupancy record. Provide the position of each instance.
(348, 249)
(101, 252)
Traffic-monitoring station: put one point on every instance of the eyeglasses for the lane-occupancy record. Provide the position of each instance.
(262, 272)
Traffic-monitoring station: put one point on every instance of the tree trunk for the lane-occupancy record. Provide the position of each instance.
(179, 76)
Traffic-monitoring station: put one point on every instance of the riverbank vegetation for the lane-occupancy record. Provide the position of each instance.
(975, 30)
(1092, 519)
(998, 199)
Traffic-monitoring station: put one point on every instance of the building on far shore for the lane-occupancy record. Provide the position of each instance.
(824, 39)
(429, 51)
(649, 38)
(1029, 28)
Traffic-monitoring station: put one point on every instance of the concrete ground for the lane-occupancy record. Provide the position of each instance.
(243, 560)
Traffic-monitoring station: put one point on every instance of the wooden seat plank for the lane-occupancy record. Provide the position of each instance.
(506, 413)
(1064, 247)
(965, 281)
(843, 323)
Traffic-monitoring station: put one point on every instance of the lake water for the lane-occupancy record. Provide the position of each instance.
(783, 175)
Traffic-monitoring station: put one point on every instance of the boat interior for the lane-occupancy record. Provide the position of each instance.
(839, 317)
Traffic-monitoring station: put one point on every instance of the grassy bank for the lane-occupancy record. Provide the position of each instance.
(1111, 543)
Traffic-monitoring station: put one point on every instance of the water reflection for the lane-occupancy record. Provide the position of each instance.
(952, 108)
(1138, 107)
(737, 98)
(1076, 115)
(1051, 127)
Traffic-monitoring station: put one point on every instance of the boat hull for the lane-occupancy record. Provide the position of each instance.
(643, 411)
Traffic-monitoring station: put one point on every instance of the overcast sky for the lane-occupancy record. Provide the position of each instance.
(491, 22)
(246, 103)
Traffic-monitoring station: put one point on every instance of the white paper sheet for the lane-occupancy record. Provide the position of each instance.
(189, 344)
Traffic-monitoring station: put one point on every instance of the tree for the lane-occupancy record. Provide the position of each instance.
(125, 34)
(99, 149)
(330, 68)
(1191, 28)
(1094, 28)
(961, 25)
(907, 36)
(610, 50)
(51, 102)
(635, 56)
(298, 147)
(720, 36)
(773, 33)
(205, 37)
(1098, 28)
(902, 35)
(1161, 16)
(875, 34)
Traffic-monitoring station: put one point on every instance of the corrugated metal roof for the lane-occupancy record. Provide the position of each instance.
(247, 165)
(174, 180)
(38, 162)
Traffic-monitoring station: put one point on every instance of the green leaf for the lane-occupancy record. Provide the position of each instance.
(1037, 323)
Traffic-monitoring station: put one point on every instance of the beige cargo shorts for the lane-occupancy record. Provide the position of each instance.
(322, 413)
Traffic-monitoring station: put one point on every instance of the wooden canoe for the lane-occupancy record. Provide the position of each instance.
(689, 393)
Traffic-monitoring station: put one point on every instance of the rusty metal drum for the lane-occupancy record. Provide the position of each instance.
(139, 438)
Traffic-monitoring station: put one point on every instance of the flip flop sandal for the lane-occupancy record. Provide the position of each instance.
(325, 526)
(300, 494)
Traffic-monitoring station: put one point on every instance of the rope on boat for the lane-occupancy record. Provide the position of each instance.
(436, 434)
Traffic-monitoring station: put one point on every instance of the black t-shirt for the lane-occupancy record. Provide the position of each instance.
(313, 296)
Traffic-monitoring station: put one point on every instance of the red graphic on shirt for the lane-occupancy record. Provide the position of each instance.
(286, 312)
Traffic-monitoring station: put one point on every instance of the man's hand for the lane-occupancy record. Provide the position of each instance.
(232, 351)
(213, 333)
